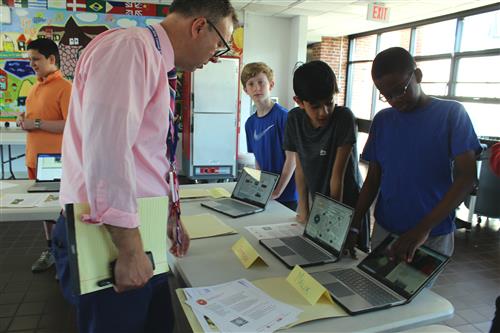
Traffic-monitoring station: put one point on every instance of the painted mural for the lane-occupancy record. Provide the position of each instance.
(72, 24)
(72, 31)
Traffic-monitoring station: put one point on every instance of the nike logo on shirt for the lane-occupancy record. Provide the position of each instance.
(259, 136)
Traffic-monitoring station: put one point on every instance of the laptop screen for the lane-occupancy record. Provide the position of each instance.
(329, 222)
(48, 167)
(404, 278)
(255, 186)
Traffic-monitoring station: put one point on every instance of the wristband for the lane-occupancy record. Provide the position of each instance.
(354, 230)
(38, 123)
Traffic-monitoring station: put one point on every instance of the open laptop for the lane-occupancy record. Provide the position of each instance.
(323, 239)
(250, 195)
(48, 173)
(378, 283)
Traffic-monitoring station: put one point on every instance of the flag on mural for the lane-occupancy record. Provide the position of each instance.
(140, 9)
(76, 5)
(96, 6)
(115, 7)
(21, 3)
(37, 4)
(56, 4)
(9, 3)
(162, 10)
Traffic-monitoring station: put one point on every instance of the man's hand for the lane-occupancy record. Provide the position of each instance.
(179, 247)
(405, 246)
(132, 271)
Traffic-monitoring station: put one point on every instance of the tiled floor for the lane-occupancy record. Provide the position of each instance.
(32, 302)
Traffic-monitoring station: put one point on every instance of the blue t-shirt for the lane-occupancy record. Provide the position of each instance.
(265, 141)
(415, 151)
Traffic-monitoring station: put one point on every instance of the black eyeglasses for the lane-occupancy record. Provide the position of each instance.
(223, 50)
(397, 94)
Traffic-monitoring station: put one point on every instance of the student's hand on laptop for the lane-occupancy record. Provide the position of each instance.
(179, 246)
(276, 194)
(302, 213)
(405, 246)
(350, 247)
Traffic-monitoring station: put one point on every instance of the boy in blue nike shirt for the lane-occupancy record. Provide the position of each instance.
(411, 150)
(265, 129)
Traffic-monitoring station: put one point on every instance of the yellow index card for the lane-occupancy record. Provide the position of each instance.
(307, 286)
(219, 192)
(246, 253)
(205, 225)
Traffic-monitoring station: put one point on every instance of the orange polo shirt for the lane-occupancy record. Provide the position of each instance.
(48, 99)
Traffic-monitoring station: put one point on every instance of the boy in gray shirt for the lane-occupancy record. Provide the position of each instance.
(323, 136)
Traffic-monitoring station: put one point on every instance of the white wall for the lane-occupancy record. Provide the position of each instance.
(280, 43)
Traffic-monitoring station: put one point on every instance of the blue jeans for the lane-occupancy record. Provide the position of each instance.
(148, 309)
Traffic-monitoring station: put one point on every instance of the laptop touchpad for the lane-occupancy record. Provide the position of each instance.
(339, 289)
(283, 251)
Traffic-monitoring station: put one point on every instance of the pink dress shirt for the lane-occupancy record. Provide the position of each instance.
(114, 142)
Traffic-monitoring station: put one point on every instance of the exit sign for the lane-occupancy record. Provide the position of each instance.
(377, 12)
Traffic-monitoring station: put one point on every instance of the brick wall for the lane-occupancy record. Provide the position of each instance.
(333, 51)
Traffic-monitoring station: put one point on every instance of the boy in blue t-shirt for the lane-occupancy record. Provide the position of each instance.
(265, 129)
(411, 150)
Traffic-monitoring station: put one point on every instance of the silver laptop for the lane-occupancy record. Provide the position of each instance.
(250, 195)
(323, 239)
(48, 173)
(378, 282)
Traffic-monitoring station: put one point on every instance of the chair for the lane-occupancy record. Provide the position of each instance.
(484, 199)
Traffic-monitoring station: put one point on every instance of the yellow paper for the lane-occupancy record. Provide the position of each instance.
(95, 249)
(279, 289)
(190, 316)
(205, 225)
(246, 253)
(307, 286)
(187, 193)
(219, 192)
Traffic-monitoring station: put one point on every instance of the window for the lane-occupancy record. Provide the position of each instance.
(364, 48)
(459, 59)
(484, 117)
(478, 77)
(481, 32)
(436, 74)
(435, 38)
(360, 99)
(395, 38)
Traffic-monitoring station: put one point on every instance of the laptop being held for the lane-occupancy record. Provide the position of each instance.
(250, 195)
(323, 239)
(378, 282)
(48, 173)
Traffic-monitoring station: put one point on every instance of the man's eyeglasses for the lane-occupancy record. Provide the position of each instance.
(223, 50)
(397, 94)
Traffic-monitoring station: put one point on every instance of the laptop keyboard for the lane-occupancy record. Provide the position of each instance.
(367, 289)
(304, 249)
(235, 205)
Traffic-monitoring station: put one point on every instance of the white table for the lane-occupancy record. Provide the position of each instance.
(11, 136)
(26, 214)
(211, 261)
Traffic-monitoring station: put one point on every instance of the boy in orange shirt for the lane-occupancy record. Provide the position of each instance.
(46, 111)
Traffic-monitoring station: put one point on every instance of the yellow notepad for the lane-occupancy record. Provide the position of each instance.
(216, 192)
(95, 249)
(205, 225)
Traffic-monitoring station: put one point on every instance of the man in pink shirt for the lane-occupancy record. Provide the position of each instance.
(115, 151)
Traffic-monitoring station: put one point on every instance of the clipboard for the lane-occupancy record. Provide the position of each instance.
(91, 250)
